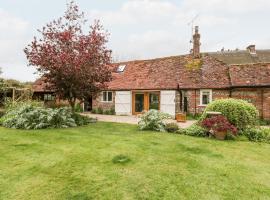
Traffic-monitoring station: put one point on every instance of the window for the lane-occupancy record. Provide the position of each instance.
(205, 97)
(106, 96)
(48, 97)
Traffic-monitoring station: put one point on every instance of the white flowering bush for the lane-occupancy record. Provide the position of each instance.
(153, 120)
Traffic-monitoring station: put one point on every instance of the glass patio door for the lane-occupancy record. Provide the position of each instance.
(139, 103)
(144, 101)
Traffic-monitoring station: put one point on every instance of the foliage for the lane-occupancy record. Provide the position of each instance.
(194, 130)
(264, 122)
(112, 111)
(239, 112)
(78, 108)
(153, 120)
(257, 134)
(2, 113)
(219, 123)
(82, 120)
(10, 105)
(193, 117)
(171, 127)
(31, 117)
(2, 83)
(100, 110)
(76, 65)
(54, 104)
(17, 84)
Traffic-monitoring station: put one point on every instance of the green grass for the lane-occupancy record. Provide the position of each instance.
(116, 161)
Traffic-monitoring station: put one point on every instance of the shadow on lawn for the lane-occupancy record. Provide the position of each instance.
(199, 151)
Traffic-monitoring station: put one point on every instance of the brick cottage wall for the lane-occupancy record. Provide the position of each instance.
(97, 103)
(259, 97)
(193, 97)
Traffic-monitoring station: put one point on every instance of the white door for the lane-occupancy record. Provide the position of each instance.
(123, 102)
(167, 102)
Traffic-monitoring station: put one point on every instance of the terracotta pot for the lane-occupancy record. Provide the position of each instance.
(220, 135)
(181, 117)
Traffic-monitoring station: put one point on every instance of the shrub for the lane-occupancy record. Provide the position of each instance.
(239, 112)
(264, 122)
(257, 134)
(99, 110)
(112, 111)
(2, 113)
(153, 120)
(219, 123)
(53, 104)
(94, 111)
(30, 117)
(194, 130)
(78, 108)
(107, 112)
(171, 127)
(82, 120)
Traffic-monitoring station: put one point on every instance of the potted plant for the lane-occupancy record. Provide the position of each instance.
(219, 126)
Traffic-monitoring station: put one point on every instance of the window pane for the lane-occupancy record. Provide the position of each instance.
(104, 96)
(139, 102)
(205, 98)
(153, 101)
(109, 96)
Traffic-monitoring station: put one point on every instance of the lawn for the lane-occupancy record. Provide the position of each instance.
(76, 163)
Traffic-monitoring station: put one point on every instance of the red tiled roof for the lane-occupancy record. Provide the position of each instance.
(40, 85)
(169, 73)
(174, 72)
(250, 75)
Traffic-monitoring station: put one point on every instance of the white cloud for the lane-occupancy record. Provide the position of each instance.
(13, 39)
(236, 6)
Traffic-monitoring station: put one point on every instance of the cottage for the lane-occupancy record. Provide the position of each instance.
(187, 83)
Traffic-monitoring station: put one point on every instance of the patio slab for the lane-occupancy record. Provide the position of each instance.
(132, 119)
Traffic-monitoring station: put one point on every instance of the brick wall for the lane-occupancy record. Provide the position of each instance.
(97, 103)
(260, 97)
(193, 97)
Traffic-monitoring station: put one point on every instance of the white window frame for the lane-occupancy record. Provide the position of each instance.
(210, 96)
(107, 96)
(49, 97)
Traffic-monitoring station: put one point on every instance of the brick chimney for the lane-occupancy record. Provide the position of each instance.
(251, 49)
(196, 43)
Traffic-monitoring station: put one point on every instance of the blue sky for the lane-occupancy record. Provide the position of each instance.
(140, 29)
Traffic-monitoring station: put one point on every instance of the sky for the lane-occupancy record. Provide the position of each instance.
(139, 29)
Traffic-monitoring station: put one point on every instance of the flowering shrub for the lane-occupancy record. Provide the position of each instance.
(153, 120)
(219, 123)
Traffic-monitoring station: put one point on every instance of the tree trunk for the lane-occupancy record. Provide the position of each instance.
(72, 102)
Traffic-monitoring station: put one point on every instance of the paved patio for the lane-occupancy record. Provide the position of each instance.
(131, 119)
